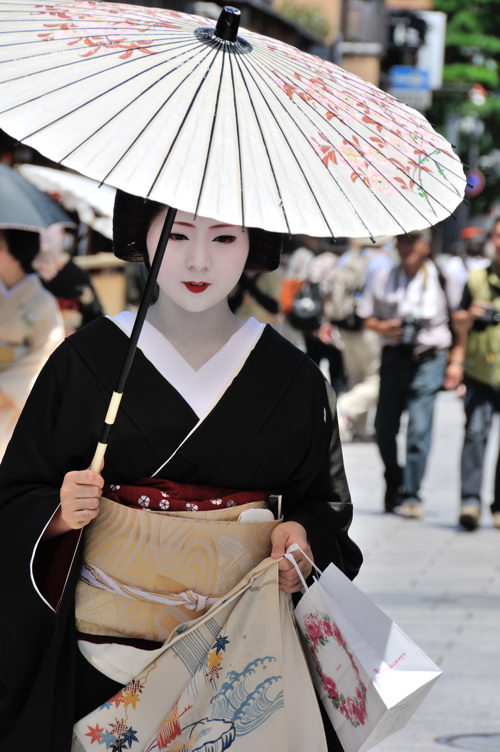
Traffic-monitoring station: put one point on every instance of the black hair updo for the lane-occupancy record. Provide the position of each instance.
(24, 245)
(132, 217)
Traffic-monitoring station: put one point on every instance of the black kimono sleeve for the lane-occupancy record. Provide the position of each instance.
(37, 645)
(327, 510)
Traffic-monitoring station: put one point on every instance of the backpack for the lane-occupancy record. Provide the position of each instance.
(307, 308)
(289, 289)
(346, 284)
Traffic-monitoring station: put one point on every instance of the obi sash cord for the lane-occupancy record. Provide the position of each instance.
(95, 577)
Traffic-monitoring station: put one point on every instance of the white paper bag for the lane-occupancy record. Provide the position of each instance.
(370, 675)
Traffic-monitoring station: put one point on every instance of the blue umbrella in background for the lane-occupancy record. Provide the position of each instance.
(25, 207)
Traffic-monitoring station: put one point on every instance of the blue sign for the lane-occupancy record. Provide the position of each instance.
(408, 77)
(475, 183)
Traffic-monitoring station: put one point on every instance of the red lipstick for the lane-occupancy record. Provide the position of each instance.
(196, 286)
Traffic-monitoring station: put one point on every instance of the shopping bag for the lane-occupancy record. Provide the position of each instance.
(368, 672)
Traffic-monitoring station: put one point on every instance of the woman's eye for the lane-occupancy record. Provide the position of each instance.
(177, 236)
(225, 238)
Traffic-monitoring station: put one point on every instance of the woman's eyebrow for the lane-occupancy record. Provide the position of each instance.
(212, 227)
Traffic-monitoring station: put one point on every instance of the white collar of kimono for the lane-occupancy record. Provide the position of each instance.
(6, 292)
(200, 388)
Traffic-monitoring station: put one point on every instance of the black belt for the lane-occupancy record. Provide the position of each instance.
(410, 353)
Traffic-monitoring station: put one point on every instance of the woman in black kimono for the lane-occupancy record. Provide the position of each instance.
(209, 402)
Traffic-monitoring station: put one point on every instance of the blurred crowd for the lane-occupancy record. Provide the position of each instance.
(392, 325)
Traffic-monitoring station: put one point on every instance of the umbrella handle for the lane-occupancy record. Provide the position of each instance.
(100, 451)
(114, 403)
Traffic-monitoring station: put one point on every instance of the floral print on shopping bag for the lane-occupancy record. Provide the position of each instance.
(329, 651)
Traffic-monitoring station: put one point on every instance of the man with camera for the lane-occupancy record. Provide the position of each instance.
(406, 305)
(476, 358)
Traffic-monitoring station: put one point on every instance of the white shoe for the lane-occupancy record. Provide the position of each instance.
(469, 516)
(411, 510)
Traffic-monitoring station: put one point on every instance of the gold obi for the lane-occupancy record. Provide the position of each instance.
(146, 572)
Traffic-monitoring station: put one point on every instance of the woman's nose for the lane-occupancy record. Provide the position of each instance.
(199, 257)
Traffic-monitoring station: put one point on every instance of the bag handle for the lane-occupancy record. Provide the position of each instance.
(288, 555)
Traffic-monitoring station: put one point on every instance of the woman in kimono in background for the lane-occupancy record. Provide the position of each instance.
(216, 416)
(30, 325)
(71, 285)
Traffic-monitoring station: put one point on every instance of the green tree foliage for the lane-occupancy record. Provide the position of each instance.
(306, 15)
(472, 41)
(472, 57)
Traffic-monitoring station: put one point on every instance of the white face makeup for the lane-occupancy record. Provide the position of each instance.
(203, 261)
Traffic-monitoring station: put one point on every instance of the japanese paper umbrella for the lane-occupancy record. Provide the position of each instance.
(224, 124)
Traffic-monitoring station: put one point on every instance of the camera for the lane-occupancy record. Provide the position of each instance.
(410, 327)
(490, 317)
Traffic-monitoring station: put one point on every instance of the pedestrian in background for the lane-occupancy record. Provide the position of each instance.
(469, 255)
(30, 326)
(309, 271)
(256, 294)
(476, 358)
(72, 286)
(295, 267)
(406, 306)
(360, 346)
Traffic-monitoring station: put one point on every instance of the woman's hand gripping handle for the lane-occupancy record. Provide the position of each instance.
(79, 494)
(285, 536)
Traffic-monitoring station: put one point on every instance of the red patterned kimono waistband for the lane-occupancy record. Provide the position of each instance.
(168, 496)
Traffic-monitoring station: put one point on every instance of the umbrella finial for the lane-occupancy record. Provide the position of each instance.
(228, 24)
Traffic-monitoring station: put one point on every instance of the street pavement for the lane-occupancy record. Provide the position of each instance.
(440, 584)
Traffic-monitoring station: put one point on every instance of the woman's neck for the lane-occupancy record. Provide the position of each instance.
(12, 277)
(196, 336)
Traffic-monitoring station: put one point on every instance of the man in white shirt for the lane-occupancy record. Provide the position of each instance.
(406, 306)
